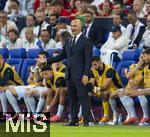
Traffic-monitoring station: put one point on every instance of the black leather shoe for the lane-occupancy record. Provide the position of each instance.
(72, 123)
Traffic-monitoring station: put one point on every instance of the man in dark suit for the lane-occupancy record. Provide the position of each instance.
(78, 52)
(91, 30)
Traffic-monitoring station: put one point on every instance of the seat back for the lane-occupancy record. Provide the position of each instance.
(33, 53)
(18, 53)
(122, 66)
(16, 63)
(26, 68)
(4, 52)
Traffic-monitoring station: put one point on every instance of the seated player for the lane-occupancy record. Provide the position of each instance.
(134, 83)
(8, 78)
(56, 93)
(19, 92)
(143, 84)
(106, 80)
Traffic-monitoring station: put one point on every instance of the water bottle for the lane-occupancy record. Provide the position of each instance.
(120, 119)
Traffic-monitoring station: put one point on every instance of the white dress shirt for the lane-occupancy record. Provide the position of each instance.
(2, 41)
(145, 42)
(37, 28)
(29, 45)
(17, 44)
(138, 24)
(7, 27)
(50, 45)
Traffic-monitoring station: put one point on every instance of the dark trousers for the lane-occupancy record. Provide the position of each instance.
(78, 95)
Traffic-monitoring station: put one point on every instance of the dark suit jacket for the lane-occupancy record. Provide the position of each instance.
(96, 34)
(78, 58)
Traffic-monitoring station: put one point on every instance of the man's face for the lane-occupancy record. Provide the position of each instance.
(117, 9)
(40, 17)
(29, 34)
(146, 58)
(45, 36)
(132, 19)
(88, 17)
(53, 20)
(116, 34)
(106, 6)
(117, 20)
(12, 37)
(76, 27)
(137, 5)
(96, 65)
(148, 8)
(41, 56)
(30, 21)
(3, 18)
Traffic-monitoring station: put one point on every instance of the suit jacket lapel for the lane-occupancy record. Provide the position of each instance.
(77, 44)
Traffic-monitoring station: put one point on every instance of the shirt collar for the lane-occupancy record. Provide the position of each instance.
(77, 36)
(89, 25)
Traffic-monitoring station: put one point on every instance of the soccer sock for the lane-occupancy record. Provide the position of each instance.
(3, 101)
(80, 112)
(32, 103)
(40, 105)
(13, 101)
(130, 106)
(60, 110)
(106, 108)
(123, 101)
(113, 105)
(144, 105)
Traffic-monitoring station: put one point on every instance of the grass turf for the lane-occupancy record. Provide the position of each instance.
(57, 130)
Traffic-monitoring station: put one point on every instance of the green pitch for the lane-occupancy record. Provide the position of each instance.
(57, 130)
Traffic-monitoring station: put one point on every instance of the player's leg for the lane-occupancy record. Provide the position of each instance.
(49, 97)
(42, 99)
(3, 99)
(105, 103)
(144, 105)
(12, 95)
(113, 105)
(31, 101)
(129, 103)
(61, 106)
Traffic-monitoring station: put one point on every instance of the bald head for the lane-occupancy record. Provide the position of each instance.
(76, 26)
(29, 34)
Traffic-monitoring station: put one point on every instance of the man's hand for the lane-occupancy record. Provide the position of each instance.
(85, 80)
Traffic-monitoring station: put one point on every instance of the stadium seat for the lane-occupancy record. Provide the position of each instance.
(18, 53)
(16, 58)
(33, 53)
(16, 63)
(129, 57)
(26, 68)
(96, 52)
(4, 52)
(50, 51)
